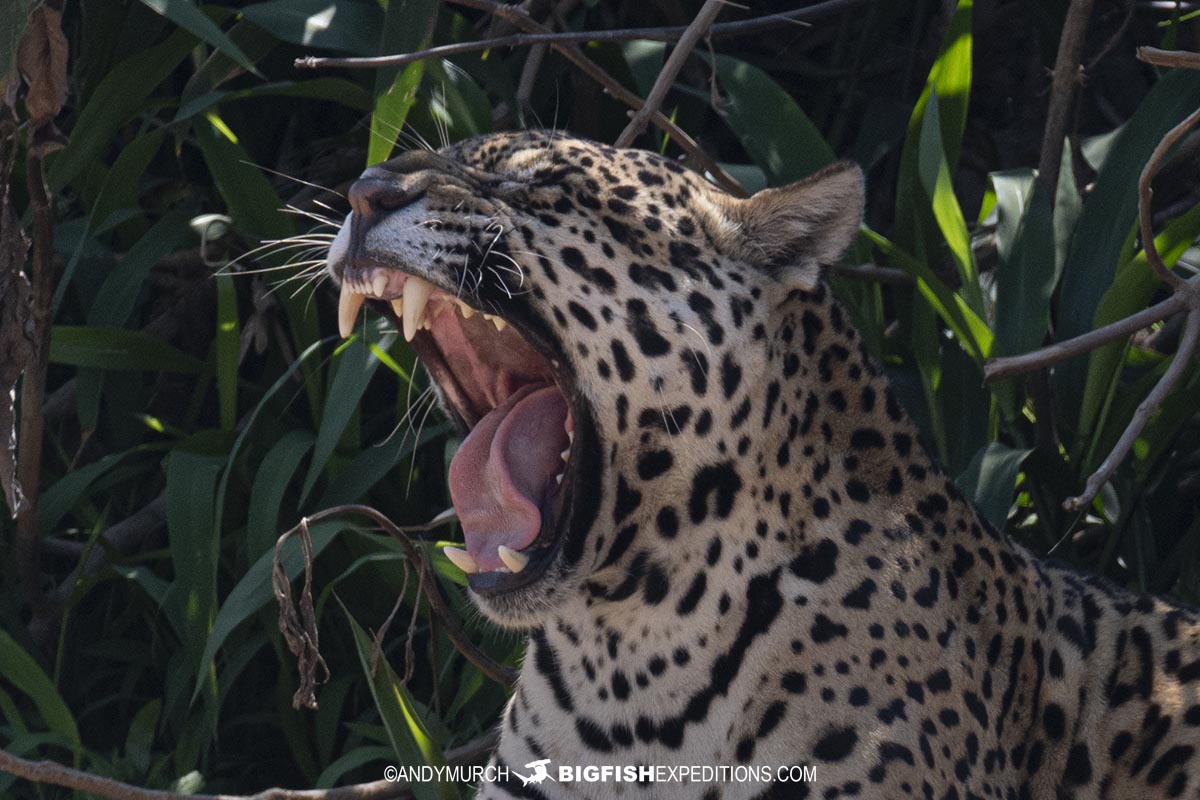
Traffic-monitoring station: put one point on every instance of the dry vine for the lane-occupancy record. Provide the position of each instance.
(299, 626)
(1185, 298)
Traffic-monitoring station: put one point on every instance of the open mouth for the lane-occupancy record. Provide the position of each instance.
(510, 480)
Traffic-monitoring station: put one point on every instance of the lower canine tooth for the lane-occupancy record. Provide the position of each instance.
(461, 559)
(512, 559)
(398, 307)
(349, 304)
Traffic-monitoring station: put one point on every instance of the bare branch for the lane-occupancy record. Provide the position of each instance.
(660, 34)
(1182, 59)
(1145, 410)
(666, 77)
(1058, 352)
(1062, 92)
(56, 774)
(1145, 196)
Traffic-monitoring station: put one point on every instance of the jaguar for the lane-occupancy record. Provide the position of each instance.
(686, 479)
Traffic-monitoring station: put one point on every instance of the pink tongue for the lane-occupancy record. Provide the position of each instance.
(505, 470)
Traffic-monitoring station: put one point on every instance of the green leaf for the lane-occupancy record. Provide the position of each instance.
(950, 78)
(391, 110)
(117, 349)
(990, 481)
(275, 474)
(139, 742)
(968, 327)
(1013, 188)
(458, 103)
(774, 131)
(228, 349)
(186, 15)
(336, 90)
(348, 762)
(257, 212)
(119, 96)
(1131, 291)
(193, 539)
(1026, 279)
(934, 170)
(356, 366)
(20, 670)
(1108, 216)
(118, 295)
(407, 27)
(348, 25)
(406, 731)
(58, 500)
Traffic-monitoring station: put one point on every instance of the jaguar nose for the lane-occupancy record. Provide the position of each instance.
(370, 198)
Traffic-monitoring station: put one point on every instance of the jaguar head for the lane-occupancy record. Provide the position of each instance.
(583, 313)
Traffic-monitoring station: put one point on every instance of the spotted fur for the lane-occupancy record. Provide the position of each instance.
(765, 566)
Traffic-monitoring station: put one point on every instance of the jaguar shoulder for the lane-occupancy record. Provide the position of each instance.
(686, 478)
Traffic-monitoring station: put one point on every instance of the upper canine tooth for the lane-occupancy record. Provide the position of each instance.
(349, 304)
(461, 559)
(416, 296)
(379, 285)
(565, 453)
(512, 559)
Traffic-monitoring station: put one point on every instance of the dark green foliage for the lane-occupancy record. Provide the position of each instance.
(213, 412)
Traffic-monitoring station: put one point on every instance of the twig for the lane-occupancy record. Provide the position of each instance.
(55, 774)
(1145, 410)
(498, 672)
(1050, 355)
(889, 276)
(660, 34)
(1146, 193)
(1062, 93)
(1183, 59)
(666, 77)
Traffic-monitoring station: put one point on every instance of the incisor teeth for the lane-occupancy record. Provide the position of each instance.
(416, 296)
(461, 559)
(379, 285)
(349, 304)
(512, 559)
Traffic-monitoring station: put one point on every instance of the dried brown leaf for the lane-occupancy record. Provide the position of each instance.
(42, 61)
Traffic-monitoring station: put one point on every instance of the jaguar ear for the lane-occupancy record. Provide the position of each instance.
(800, 226)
